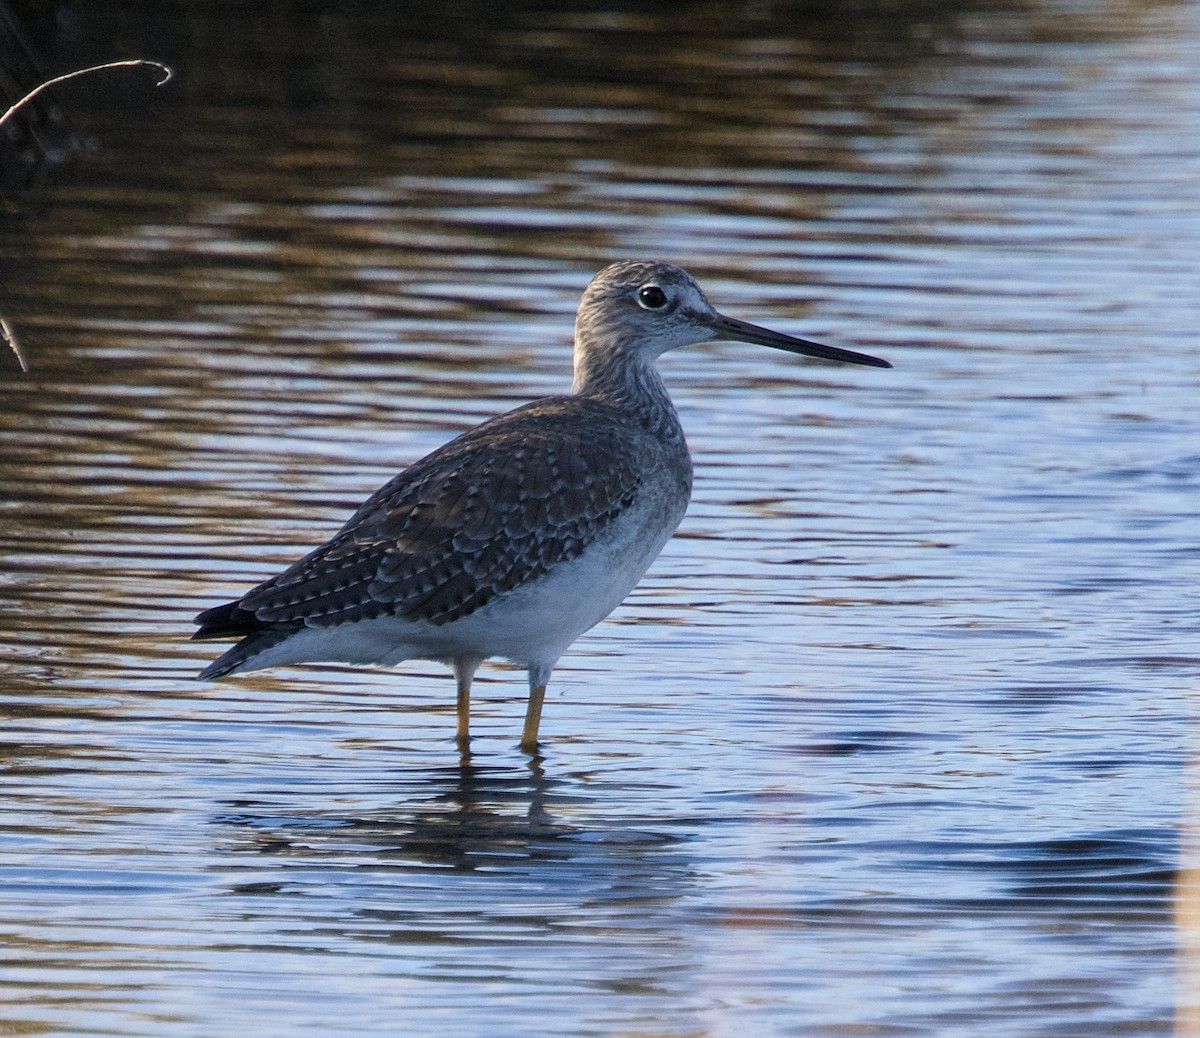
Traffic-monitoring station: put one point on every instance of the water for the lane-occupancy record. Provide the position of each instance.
(896, 738)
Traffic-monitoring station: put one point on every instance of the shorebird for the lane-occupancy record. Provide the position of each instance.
(522, 533)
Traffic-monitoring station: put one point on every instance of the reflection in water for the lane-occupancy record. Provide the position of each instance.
(485, 861)
(892, 739)
(463, 818)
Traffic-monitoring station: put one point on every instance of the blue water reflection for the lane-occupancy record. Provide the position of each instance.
(896, 737)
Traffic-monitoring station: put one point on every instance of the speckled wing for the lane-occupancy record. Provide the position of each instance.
(488, 512)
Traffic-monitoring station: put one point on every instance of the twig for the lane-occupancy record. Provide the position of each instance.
(163, 71)
(7, 334)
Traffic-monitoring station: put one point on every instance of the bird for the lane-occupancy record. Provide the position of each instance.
(522, 533)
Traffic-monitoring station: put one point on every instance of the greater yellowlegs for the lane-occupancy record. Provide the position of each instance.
(522, 533)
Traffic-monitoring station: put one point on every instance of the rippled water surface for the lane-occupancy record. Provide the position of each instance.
(898, 737)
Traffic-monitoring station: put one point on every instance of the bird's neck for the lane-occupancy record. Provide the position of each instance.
(632, 383)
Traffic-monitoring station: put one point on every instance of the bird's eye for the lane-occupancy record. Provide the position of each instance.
(651, 297)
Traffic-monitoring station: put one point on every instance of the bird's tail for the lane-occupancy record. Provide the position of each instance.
(232, 621)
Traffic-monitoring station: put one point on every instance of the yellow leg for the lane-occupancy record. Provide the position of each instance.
(464, 671)
(533, 717)
(463, 705)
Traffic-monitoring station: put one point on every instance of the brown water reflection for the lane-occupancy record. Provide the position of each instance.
(894, 738)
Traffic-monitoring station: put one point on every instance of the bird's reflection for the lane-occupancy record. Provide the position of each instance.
(467, 816)
(475, 817)
(445, 869)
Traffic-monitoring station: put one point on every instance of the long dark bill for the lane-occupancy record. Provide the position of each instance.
(743, 331)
